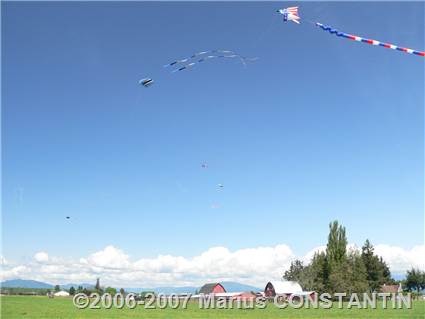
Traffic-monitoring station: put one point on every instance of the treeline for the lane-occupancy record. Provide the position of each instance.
(96, 289)
(50, 291)
(340, 270)
(24, 291)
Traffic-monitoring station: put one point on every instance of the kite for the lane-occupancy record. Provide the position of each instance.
(197, 58)
(368, 41)
(220, 185)
(67, 217)
(146, 82)
(242, 59)
(203, 57)
(215, 206)
(290, 14)
(197, 55)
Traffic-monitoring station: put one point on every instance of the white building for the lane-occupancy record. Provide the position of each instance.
(61, 293)
(284, 288)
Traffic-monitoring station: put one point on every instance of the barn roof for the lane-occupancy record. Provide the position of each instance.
(285, 287)
(391, 288)
(208, 288)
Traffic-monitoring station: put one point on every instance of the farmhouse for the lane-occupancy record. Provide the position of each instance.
(391, 288)
(285, 289)
(213, 288)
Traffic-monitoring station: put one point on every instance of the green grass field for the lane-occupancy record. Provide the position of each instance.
(43, 307)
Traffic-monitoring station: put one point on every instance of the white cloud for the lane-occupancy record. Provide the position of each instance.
(14, 272)
(253, 266)
(399, 259)
(309, 256)
(41, 257)
(110, 257)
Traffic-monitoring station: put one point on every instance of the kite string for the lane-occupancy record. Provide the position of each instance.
(267, 30)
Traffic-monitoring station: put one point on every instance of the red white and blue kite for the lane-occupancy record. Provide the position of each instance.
(291, 14)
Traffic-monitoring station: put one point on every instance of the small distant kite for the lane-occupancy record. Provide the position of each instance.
(146, 82)
(204, 165)
(215, 205)
(220, 185)
(290, 14)
(67, 217)
(199, 57)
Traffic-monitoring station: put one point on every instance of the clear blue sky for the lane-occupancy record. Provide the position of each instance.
(319, 128)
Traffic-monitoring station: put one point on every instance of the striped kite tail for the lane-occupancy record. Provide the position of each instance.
(369, 41)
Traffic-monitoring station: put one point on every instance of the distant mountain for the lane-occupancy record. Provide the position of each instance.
(228, 285)
(22, 283)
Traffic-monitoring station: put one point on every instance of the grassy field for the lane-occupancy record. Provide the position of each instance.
(43, 307)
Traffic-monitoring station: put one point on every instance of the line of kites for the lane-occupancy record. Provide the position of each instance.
(289, 14)
(214, 205)
(199, 57)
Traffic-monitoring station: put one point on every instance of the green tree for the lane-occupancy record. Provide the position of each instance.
(337, 244)
(97, 286)
(339, 270)
(349, 276)
(372, 268)
(72, 291)
(57, 288)
(339, 277)
(423, 280)
(295, 271)
(415, 280)
(386, 273)
(377, 271)
(358, 275)
(122, 291)
(110, 290)
(315, 275)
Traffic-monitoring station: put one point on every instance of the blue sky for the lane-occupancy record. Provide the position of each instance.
(318, 128)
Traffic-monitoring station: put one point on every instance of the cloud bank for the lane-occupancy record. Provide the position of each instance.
(254, 266)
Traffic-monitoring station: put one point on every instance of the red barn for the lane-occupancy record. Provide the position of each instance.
(214, 288)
